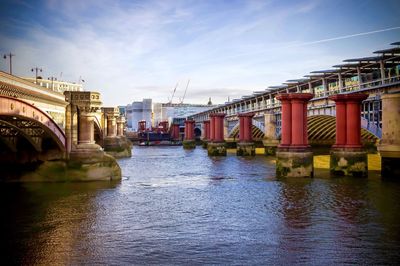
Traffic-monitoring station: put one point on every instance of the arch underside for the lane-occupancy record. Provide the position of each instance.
(15, 128)
(256, 133)
(322, 129)
(20, 119)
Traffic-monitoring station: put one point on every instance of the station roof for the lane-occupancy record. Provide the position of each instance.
(295, 81)
(395, 50)
(328, 71)
(365, 59)
(277, 87)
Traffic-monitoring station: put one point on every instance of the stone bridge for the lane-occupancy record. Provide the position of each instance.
(63, 137)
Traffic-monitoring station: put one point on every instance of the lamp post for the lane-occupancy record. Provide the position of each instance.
(36, 69)
(52, 82)
(10, 55)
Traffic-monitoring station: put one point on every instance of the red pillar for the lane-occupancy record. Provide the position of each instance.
(305, 132)
(286, 119)
(206, 130)
(241, 128)
(189, 130)
(348, 119)
(212, 128)
(245, 127)
(294, 119)
(217, 119)
(353, 118)
(142, 125)
(175, 132)
(340, 120)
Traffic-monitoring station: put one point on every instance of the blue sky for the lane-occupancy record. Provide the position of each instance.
(129, 50)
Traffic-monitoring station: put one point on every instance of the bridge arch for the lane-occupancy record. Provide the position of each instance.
(19, 118)
(322, 129)
(257, 133)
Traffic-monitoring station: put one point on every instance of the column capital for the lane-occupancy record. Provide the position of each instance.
(85, 101)
(217, 115)
(354, 97)
(121, 119)
(246, 114)
(189, 121)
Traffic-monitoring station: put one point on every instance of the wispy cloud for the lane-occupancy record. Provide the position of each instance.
(130, 50)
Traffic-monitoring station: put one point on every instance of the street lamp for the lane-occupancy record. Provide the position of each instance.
(10, 55)
(52, 82)
(36, 69)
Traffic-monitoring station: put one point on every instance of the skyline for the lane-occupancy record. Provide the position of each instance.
(226, 48)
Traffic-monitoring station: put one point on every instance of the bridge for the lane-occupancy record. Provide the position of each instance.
(42, 129)
(374, 76)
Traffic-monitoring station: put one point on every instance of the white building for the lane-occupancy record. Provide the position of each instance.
(55, 85)
(138, 111)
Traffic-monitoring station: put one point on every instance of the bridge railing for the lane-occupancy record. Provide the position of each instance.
(354, 87)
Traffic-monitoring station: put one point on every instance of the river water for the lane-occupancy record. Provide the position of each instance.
(182, 207)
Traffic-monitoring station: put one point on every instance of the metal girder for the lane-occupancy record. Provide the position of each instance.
(10, 132)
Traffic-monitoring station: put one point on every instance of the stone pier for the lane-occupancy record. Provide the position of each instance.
(245, 146)
(115, 143)
(389, 147)
(348, 158)
(216, 146)
(206, 133)
(294, 157)
(87, 160)
(189, 141)
(270, 140)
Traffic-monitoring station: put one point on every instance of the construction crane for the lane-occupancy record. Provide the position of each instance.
(187, 85)
(173, 93)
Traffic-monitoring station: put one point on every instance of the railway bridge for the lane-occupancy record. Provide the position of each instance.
(61, 136)
(258, 117)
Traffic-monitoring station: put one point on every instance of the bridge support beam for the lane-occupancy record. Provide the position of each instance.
(142, 125)
(206, 133)
(348, 158)
(115, 143)
(217, 145)
(389, 147)
(175, 132)
(294, 157)
(245, 146)
(87, 160)
(120, 126)
(189, 141)
(270, 140)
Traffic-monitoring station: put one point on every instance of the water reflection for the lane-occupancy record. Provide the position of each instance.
(183, 207)
(42, 221)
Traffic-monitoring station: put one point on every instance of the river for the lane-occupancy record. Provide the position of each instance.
(183, 207)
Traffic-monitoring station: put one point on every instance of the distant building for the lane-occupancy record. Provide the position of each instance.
(55, 85)
(138, 111)
(177, 113)
(154, 113)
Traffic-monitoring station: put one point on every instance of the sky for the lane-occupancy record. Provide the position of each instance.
(129, 50)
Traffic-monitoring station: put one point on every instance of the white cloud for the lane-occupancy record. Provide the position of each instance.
(129, 51)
